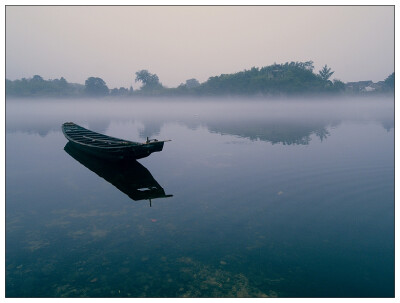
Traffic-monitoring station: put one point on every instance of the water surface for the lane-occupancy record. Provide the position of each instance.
(249, 199)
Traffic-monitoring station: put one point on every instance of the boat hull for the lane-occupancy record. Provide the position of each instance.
(107, 147)
(120, 153)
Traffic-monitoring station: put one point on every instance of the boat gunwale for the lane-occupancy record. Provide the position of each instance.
(119, 146)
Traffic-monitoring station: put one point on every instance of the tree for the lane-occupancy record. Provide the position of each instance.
(389, 81)
(37, 86)
(63, 82)
(191, 83)
(338, 85)
(37, 79)
(150, 81)
(309, 65)
(123, 91)
(325, 73)
(96, 87)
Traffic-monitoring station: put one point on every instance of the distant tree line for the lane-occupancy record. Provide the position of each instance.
(290, 78)
(37, 86)
(389, 82)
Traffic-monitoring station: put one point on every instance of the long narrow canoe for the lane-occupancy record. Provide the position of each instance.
(108, 147)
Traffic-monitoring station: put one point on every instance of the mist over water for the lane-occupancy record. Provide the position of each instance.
(278, 198)
(27, 115)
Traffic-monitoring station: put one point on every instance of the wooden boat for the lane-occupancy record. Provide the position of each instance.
(127, 175)
(108, 147)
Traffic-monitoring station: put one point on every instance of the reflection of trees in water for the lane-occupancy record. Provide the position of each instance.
(44, 127)
(322, 133)
(98, 125)
(151, 129)
(41, 130)
(388, 124)
(285, 132)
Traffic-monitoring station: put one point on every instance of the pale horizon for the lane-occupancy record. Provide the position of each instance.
(182, 42)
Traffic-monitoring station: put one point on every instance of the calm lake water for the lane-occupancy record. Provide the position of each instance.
(281, 198)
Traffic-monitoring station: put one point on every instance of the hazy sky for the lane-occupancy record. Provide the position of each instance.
(178, 43)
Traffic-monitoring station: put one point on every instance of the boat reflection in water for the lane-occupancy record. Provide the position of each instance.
(129, 176)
